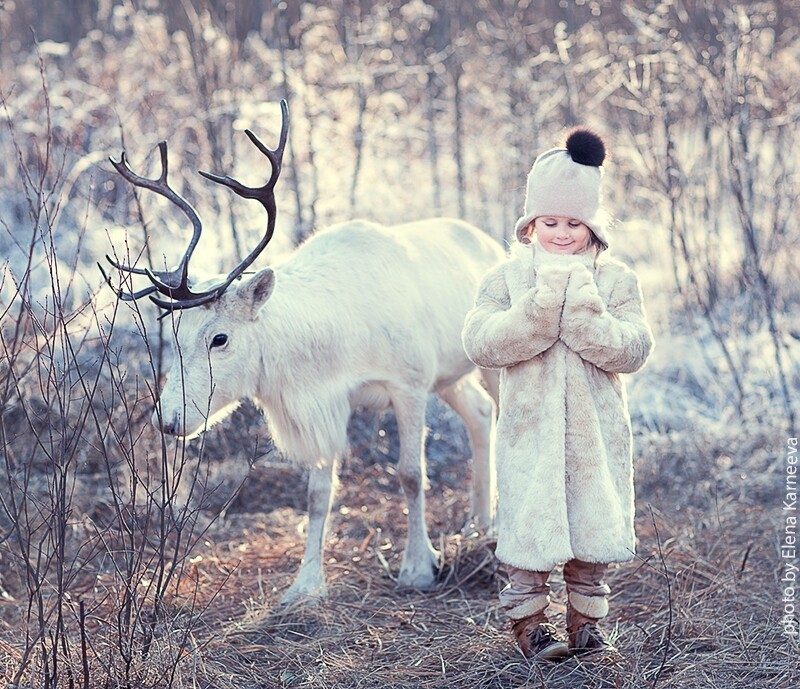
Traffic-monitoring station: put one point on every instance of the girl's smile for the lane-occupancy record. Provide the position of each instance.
(561, 235)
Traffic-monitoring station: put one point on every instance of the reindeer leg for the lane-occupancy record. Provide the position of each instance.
(420, 559)
(310, 580)
(472, 403)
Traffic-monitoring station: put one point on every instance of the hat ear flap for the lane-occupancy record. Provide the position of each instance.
(525, 232)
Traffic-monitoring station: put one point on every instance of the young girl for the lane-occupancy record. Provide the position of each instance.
(562, 321)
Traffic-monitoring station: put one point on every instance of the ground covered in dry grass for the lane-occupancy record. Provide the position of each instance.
(700, 607)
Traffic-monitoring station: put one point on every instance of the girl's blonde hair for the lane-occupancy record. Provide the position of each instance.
(596, 243)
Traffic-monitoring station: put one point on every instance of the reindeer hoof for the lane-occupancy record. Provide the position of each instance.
(417, 580)
(419, 573)
(296, 595)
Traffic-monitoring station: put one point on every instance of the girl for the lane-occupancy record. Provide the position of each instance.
(563, 322)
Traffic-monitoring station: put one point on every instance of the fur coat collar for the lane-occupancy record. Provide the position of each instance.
(562, 330)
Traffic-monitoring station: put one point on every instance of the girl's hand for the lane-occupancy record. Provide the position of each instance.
(550, 288)
(581, 292)
(612, 336)
(544, 302)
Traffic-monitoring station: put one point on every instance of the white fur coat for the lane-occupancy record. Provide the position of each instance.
(562, 329)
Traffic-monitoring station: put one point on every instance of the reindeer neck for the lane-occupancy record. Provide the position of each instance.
(295, 330)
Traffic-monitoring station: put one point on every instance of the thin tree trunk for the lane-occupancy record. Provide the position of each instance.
(294, 178)
(208, 80)
(433, 149)
(457, 143)
(680, 247)
(358, 143)
(562, 44)
(312, 206)
(742, 189)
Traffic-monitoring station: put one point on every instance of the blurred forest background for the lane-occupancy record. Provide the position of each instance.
(398, 111)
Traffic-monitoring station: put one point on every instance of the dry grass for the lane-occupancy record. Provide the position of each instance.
(714, 625)
(700, 608)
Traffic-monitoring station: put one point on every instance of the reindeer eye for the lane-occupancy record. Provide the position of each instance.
(219, 340)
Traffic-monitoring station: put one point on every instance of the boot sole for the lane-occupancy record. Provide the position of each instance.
(587, 652)
(556, 651)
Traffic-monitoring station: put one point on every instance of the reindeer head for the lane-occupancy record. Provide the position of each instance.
(216, 357)
(213, 342)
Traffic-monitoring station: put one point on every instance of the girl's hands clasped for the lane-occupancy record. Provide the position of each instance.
(550, 288)
(581, 295)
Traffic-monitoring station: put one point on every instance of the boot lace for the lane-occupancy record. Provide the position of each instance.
(589, 636)
(542, 635)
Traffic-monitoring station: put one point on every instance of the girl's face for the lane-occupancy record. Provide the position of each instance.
(560, 235)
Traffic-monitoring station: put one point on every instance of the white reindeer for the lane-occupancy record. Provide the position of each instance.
(360, 315)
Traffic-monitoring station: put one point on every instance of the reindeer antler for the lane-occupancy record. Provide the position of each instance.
(265, 194)
(174, 284)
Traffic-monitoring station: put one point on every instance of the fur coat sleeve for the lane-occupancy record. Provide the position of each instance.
(499, 333)
(615, 336)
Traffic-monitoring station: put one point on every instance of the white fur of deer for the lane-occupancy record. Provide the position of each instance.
(358, 315)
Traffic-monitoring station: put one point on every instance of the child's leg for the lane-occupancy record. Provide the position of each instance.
(586, 589)
(525, 600)
(527, 593)
(587, 595)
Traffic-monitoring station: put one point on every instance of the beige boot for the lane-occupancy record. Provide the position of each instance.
(538, 639)
(584, 635)
(587, 604)
(525, 600)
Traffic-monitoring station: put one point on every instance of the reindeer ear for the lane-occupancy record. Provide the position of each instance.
(257, 290)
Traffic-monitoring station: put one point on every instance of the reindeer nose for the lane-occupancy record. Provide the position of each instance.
(170, 426)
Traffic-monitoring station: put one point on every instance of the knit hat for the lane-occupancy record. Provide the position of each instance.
(566, 182)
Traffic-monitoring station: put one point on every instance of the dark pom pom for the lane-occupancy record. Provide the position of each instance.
(586, 147)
